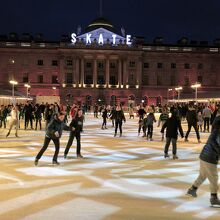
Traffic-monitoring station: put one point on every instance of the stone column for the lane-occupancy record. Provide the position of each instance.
(77, 73)
(82, 72)
(95, 72)
(62, 72)
(139, 72)
(119, 73)
(125, 73)
(107, 73)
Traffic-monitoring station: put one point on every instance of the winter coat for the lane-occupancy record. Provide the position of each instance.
(105, 113)
(173, 124)
(77, 123)
(191, 116)
(150, 119)
(54, 126)
(211, 150)
(119, 116)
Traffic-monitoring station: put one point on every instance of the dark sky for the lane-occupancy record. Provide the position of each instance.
(170, 19)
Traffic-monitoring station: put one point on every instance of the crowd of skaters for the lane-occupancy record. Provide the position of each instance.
(202, 118)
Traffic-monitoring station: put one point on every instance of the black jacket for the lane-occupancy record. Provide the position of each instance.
(211, 151)
(119, 116)
(77, 123)
(56, 125)
(191, 116)
(172, 124)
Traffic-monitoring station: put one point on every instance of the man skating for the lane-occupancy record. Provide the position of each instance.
(208, 167)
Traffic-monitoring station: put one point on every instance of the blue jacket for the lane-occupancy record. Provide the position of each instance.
(211, 151)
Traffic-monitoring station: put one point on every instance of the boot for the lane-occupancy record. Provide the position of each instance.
(175, 157)
(36, 162)
(215, 202)
(55, 162)
(79, 156)
(192, 192)
(7, 134)
(166, 155)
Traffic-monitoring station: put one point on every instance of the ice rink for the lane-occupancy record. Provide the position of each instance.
(119, 178)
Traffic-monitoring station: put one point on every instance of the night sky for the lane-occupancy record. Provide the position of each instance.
(170, 19)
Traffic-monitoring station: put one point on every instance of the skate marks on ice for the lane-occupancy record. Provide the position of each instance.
(131, 168)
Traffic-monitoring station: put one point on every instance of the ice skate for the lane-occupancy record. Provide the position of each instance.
(192, 192)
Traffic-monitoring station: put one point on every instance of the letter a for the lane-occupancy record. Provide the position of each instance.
(101, 40)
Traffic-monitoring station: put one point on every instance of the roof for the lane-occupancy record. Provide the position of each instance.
(100, 22)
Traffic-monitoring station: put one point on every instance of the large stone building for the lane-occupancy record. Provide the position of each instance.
(100, 65)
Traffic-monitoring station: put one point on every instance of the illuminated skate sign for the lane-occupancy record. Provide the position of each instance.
(101, 36)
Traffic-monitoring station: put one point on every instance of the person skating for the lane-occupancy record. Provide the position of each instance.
(207, 114)
(38, 116)
(209, 158)
(112, 115)
(172, 125)
(104, 117)
(162, 119)
(54, 133)
(77, 127)
(14, 121)
(119, 118)
(149, 125)
(192, 120)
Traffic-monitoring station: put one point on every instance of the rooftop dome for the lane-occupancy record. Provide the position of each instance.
(100, 22)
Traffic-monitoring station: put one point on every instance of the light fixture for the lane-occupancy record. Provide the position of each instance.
(13, 82)
(196, 85)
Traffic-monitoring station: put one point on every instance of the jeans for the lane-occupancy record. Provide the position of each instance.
(70, 142)
(150, 131)
(47, 140)
(168, 140)
(206, 123)
(196, 130)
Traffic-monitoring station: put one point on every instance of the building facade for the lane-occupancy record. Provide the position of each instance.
(103, 66)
